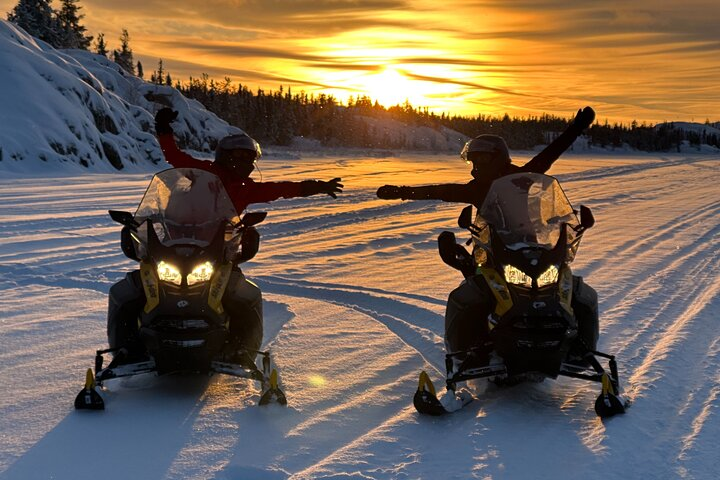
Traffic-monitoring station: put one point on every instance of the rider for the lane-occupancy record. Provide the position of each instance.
(235, 158)
(490, 160)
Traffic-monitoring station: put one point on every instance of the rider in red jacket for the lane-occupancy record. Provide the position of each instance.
(235, 158)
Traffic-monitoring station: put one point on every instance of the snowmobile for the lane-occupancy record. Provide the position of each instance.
(188, 238)
(524, 237)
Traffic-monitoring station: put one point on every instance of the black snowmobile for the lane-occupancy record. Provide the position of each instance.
(524, 238)
(188, 238)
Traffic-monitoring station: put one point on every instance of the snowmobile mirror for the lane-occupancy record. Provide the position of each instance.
(253, 218)
(465, 218)
(123, 218)
(587, 219)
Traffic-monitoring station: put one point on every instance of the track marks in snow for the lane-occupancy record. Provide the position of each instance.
(416, 326)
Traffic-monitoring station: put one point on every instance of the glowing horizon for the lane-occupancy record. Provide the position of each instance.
(643, 62)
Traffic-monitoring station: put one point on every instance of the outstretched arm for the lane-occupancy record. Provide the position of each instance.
(542, 162)
(448, 192)
(269, 191)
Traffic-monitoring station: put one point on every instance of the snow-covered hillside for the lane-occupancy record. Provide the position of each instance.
(79, 109)
(354, 295)
(699, 128)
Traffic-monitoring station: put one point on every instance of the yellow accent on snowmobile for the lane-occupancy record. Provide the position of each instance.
(273, 379)
(218, 284)
(425, 384)
(150, 285)
(500, 291)
(89, 379)
(565, 285)
(607, 387)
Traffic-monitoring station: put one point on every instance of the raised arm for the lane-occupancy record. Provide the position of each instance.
(542, 162)
(173, 155)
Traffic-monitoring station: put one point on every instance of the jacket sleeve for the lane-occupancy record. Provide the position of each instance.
(542, 162)
(176, 157)
(448, 192)
(269, 191)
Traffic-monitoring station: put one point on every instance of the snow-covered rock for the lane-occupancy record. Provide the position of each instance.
(73, 108)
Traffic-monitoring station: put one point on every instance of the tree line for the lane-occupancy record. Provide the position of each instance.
(62, 28)
(276, 117)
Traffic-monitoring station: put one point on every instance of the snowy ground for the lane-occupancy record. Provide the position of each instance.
(354, 298)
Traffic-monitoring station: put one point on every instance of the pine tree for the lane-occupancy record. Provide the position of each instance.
(36, 18)
(124, 56)
(140, 72)
(71, 33)
(101, 46)
(158, 77)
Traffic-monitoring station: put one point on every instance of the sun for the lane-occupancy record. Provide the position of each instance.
(391, 87)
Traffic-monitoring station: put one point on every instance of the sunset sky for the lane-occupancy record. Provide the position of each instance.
(642, 60)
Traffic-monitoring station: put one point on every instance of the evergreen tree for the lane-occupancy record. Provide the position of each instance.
(140, 72)
(158, 77)
(36, 18)
(124, 56)
(71, 34)
(101, 46)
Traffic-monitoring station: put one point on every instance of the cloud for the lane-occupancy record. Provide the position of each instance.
(639, 59)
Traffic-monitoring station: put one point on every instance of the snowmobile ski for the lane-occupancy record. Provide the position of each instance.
(426, 401)
(609, 403)
(273, 392)
(89, 398)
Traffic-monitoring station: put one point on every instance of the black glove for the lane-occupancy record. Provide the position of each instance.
(389, 192)
(162, 120)
(584, 118)
(313, 187)
(332, 187)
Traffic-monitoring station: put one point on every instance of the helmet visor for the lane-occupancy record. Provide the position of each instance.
(477, 146)
(241, 156)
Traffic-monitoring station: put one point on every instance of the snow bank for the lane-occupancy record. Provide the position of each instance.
(75, 110)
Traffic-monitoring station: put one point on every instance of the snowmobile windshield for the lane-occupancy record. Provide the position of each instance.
(527, 210)
(186, 206)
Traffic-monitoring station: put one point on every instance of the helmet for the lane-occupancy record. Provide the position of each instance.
(487, 143)
(237, 148)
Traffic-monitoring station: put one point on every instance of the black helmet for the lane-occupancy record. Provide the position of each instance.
(237, 148)
(486, 143)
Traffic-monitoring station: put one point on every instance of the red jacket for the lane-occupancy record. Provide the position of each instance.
(242, 191)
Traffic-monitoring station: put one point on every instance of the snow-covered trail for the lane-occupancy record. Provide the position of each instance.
(354, 300)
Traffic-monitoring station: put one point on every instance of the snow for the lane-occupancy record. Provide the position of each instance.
(71, 110)
(709, 129)
(354, 295)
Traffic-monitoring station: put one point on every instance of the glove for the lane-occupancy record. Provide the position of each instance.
(584, 118)
(331, 188)
(313, 187)
(162, 120)
(389, 192)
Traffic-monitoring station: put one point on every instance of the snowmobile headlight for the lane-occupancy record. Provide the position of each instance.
(549, 276)
(201, 273)
(516, 276)
(169, 273)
